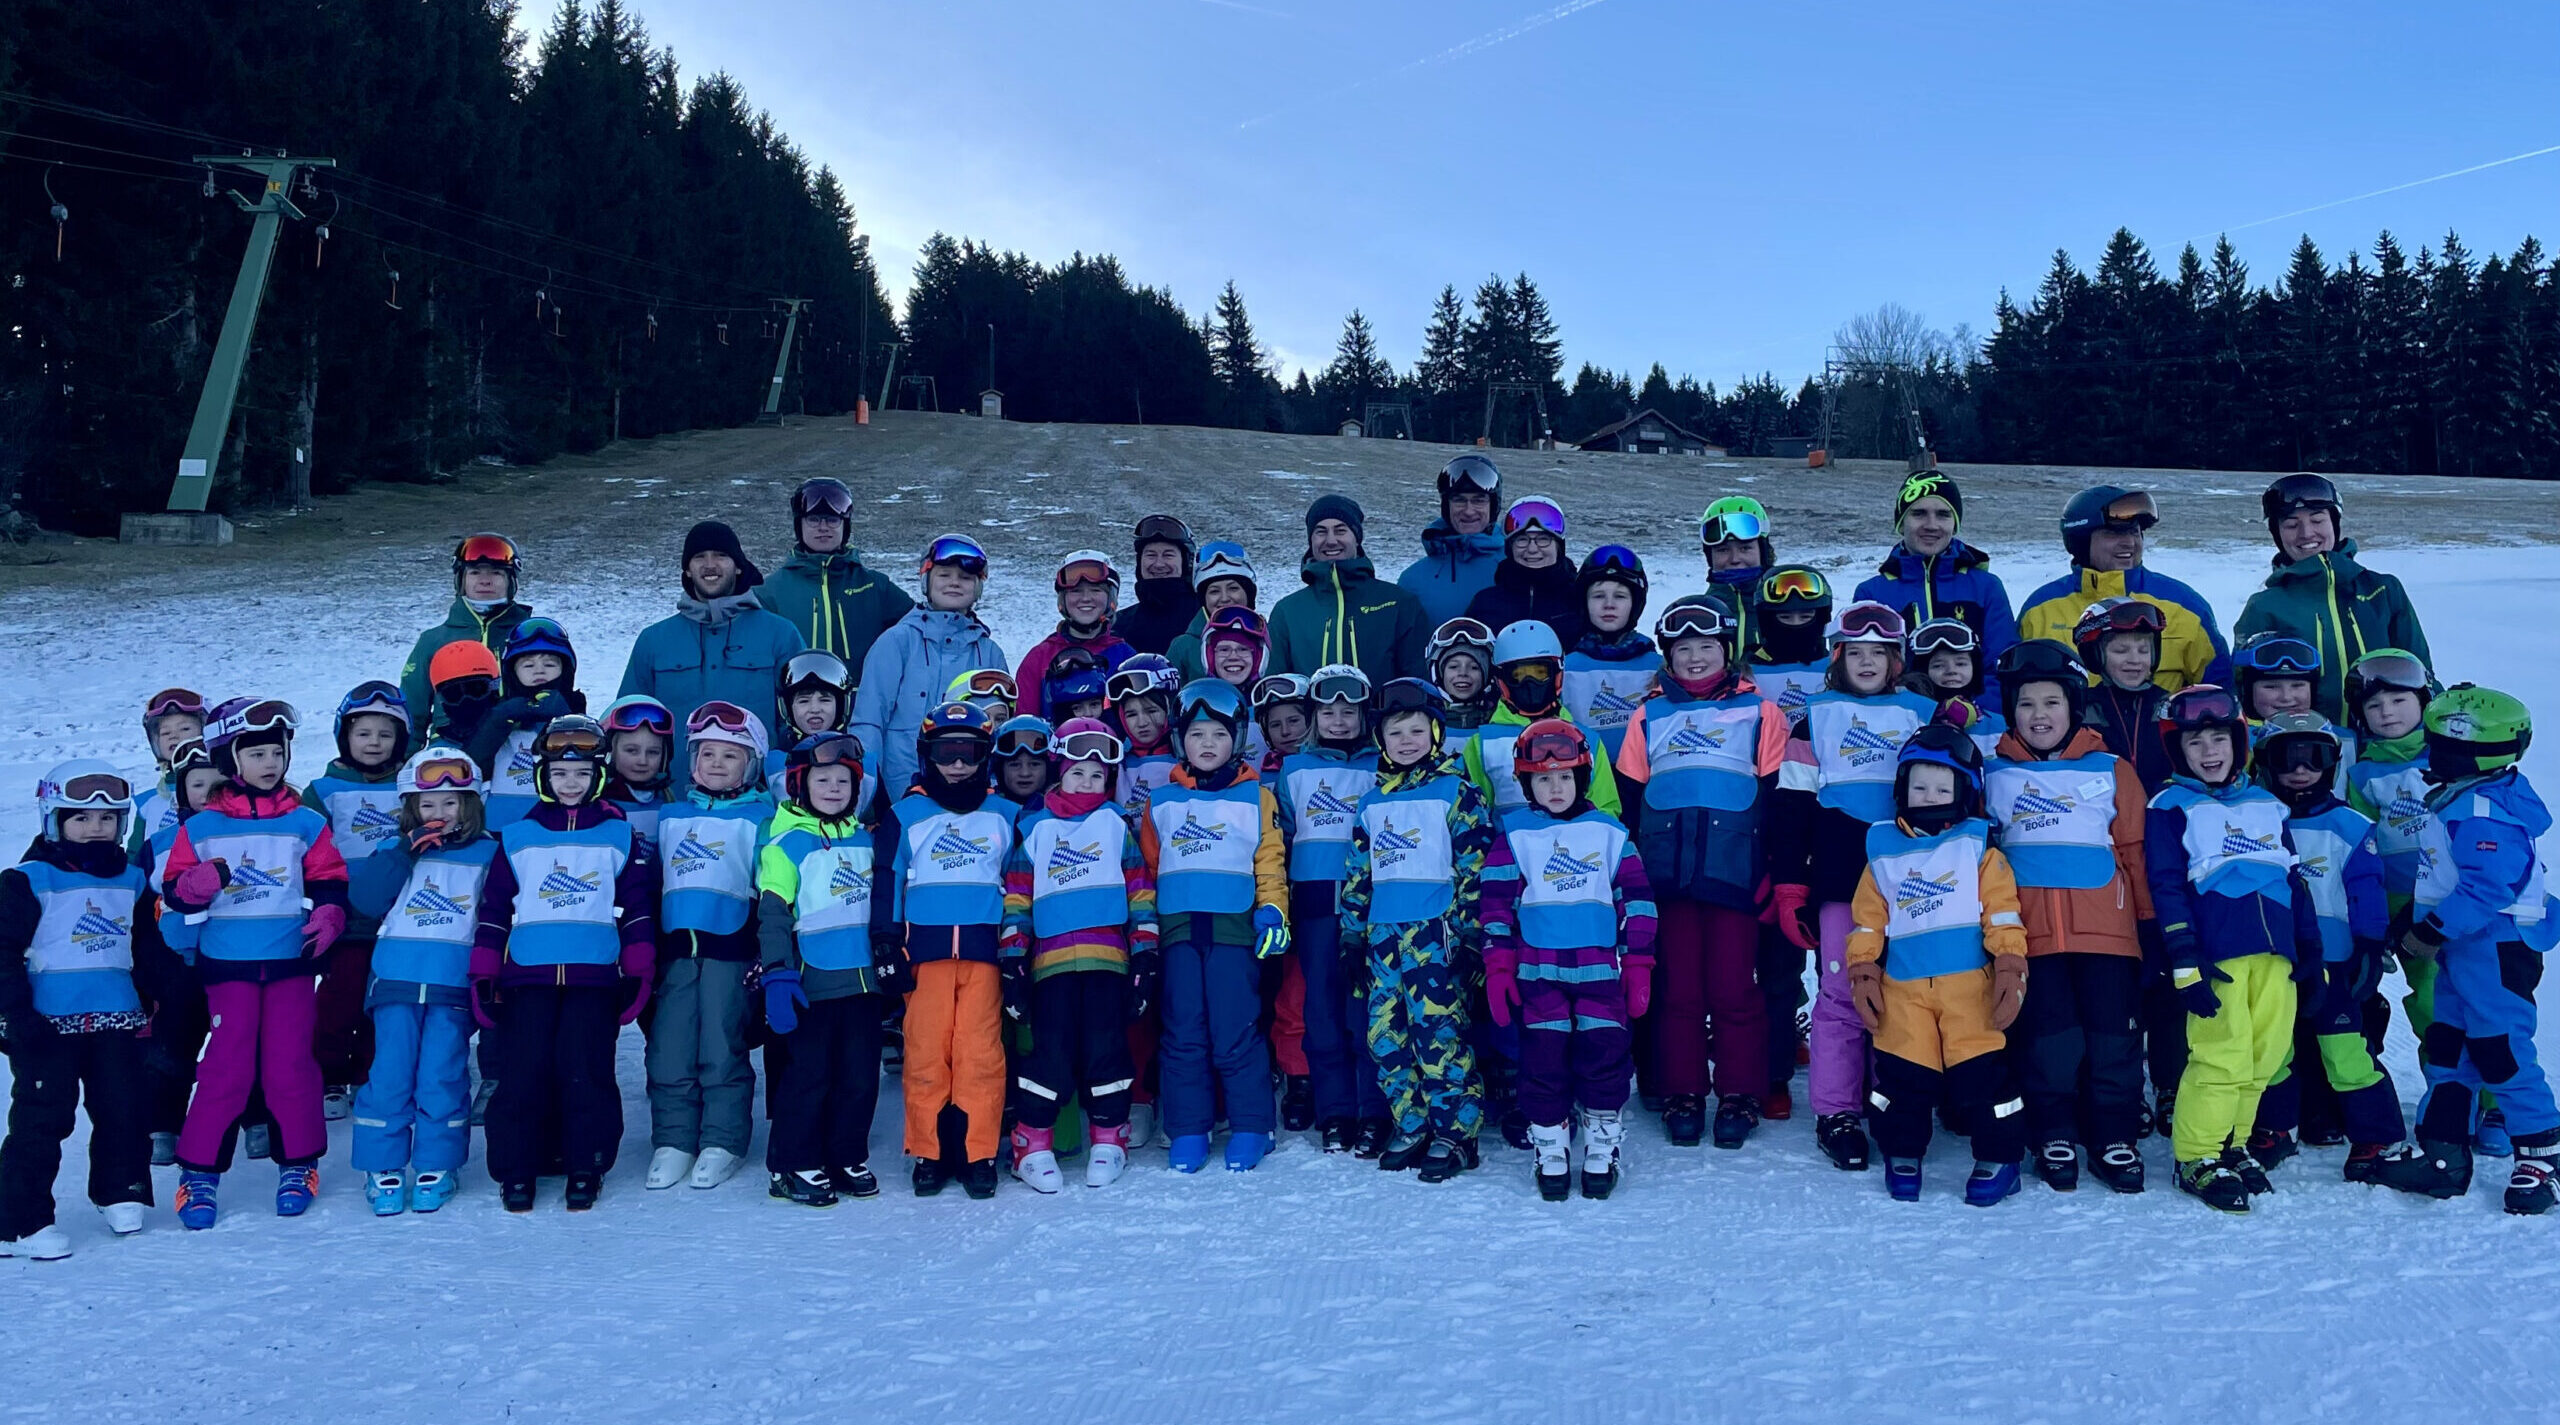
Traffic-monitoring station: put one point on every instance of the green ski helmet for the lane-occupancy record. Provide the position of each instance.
(1737, 517)
(2473, 730)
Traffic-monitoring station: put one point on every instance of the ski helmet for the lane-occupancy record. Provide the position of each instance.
(1788, 589)
(2041, 660)
(1408, 695)
(1696, 616)
(539, 635)
(957, 725)
(569, 740)
(1085, 739)
(824, 497)
(1614, 564)
(1528, 666)
(1225, 559)
(1938, 744)
(1523, 641)
(958, 550)
(1737, 517)
(1552, 744)
(1075, 675)
(1213, 698)
(2289, 741)
(2196, 708)
(1471, 474)
(814, 670)
(722, 721)
(170, 702)
(821, 749)
(1274, 690)
(2301, 491)
(1460, 635)
(458, 663)
(2108, 617)
(1533, 512)
(1236, 624)
(442, 767)
(248, 722)
(1022, 734)
(639, 713)
(1144, 675)
(489, 551)
(2387, 670)
(2472, 730)
(1087, 566)
(377, 698)
(2099, 506)
(1166, 529)
(2272, 654)
(980, 687)
(83, 784)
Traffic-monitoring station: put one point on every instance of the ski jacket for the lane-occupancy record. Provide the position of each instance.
(503, 746)
(1187, 655)
(1551, 596)
(1487, 756)
(1418, 845)
(2191, 647)
(837, 605)
(1563, 895)
(904, 677)
(1700, 774)
(815, 879)
(364, 817)
(728, 649)
(490, 631)
(1163, 610)
(78, 944)
(2223, 881)
(1453, 569)
(1953, 906)
(1836, 781)
(1346, 614)
(2341, 870)
(571, 899)
(281, 855)
(2389, 784)
(1078, 892)
(1030, 684)
(1956, 583)
(2340, 608)
(2130, 723)
(1214, 841)
(2485, 881)
(2071, 824)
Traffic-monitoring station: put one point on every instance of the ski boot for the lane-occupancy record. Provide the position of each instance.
(1245, 1151)
(2530, 1191)
(931, 1177)
(387, 1193)
(1338, 1133)
(1108, 1156)
(1369, 1140)
(1298, 1104)
(196, 1204)
(1515, 1126)
(516, 1197)
(1554, 1146)
(1990, 1183)
(1604, 1137)
(584, 1189)
(1035, 1158)
(123, 1218)
(1843, 1140)
(295, 1188)
(1778, 1104)
(978, 1179)
(336, 1102)
(856, 1181)
(667, 1167)
(164, 1150)
(2251, 1172)
(714, 1167)
(1403, 1151)
(1142, 1124)
(2427, 1167)
(2058, 1163)
(1736, 1115)
(2210, 1182)
(1684, 1118)
(1446, 1158)
(2364, 1160)
(48, 1243)
(2119, 1166)
(431, 1190)
(808, 1187)
(1902, 1179)
(2490, 1139)
(1189, 1152)
(2271, 1146)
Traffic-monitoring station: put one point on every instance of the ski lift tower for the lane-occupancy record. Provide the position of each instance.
(1839, 368)
(1374, 417)
(1494, 391)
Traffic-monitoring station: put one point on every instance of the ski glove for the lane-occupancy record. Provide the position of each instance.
(1636, 973)
(321, 929)
(1502, 991)
(1796, 918)
(2008, 989)
(2195, 988)
(1146, 972)
(1013, 976)
(2420, 941)
(428, 837)
(1866, 991)
(639, 999)
(889, 967)
(200, 883)
(484, 1003)
(1270, 932)
(783, 1000)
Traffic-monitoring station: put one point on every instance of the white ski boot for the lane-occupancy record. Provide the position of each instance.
(1142, 1125)
(714, 1167)
(1604, 1134)
(1554, 1145)
(668, 1167)
(123, 1218)
(1035, 1159)
(1109, 1157)
(45, 1244)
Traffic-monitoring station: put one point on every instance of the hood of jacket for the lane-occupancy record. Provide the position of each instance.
(948, 628)
(841, 562)
(833, 830)
(553, 816)
(1439, 541)
(1397, 779)
(719, 612)
(234, 800)
(1319, 572)
(2341, 561)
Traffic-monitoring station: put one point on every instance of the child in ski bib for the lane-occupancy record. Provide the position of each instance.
(360, 795)
(1610, 669)
(1568, 941)
(2239, 932)
(1141, 697)
(701, 1087)
(1701, 764)
(2118, 641)
(413, 1114)
(934, 940)
(1947, 669)
(1789, 610)
(1410, 907)
(77, 954)
(179, 1027)
(564, 957)
(2387, 695)
(1836, 782)
(538, 673)
(1460, 656)
(812, 693)
(1080, 907)
(639, 733)
(171, 718)
(1938, 968)
(1022, 769)
(262, 867)
(1320, 787)
(1528, 672)
(815, 880)
(1212, 833)
(1284, 711)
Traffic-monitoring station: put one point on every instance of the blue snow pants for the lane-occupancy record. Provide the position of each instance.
(1212, 1026)
(415, 1111)
(2483, 1038)
(1346, 1079)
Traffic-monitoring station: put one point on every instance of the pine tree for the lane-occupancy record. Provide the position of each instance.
(1357, 371)
(1234, 353)
(1441, 371)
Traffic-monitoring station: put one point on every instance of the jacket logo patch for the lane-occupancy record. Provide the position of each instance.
(2035, 809)
(1566, 872)
(1392, 839)
(430, 906)
(1610, 699)
(97, 932)
(374, 822)
(565, 887)
(250, 881)
(1691, 740)
(2314, 867)
(1377, 608)
(1325, 807)
(951, 850)
(2236, 842)
(693, 853)
(849, 883)
(1863, 746)
(1920, 895)
(1195, 836)
(1069, 864)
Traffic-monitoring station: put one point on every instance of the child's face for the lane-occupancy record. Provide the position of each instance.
(2392, 712)
(90, 824)
(1285, 727)
(1696, 658)
(948, 586)
(1733, 554)
(1950, 670)
(2127, 658)
(1462, 676)
(2270, 696)
(830, 788)
(2208, 754)
(1224, 593)
(1085, 605)
(1232, 660)
(719, 766)
(539, 670)
(814, 710)
(1552, 791)
(172, 730)
(1085, 779)
(484, 583)
(439, 808)
(1795, 618)
(1023, 774)
(2044, 716)
(1207, 746)
(1930, 785)
(1609, 606)
(2300, 779)
(639, 756)
(1406, 738)
(1082, 707)
(200, 785)
(263, 766)
(1143, 719)
(571, 783)
(372, 739)
(1866, 667)
(1338, 722)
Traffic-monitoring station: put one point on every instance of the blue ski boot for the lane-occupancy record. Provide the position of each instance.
(387, 1193)
(295, 1188)
(1245, 1151)
(1990, 1183)
(1189, 1152)
(431, 1190)
(1902, 1178)
(195, 1199)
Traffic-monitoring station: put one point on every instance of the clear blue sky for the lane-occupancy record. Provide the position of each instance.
(1712, 185)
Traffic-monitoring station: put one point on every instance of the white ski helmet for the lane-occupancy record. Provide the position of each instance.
(83, 784)
(1523, 640)
(442, 767)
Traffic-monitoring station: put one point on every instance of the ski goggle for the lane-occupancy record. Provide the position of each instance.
(823, 497)
(173, 700)
(1944, 635)
(1016, 741)
(1868, 623)
(1551, 751)
(1212, 696)
(2395, 670)
(640, 717)
(264, 715)
(816, 666)
(1084, 573)
(1404, 695)
(961, 751)
(1280, 688)
(1223, 559)
(2134, 511)
(445, 774)
(2200, 705)
(469, 688)
(1787, 586)
(2295, 751)
(486, 549)
(2127, 616)
(583, 743)
(1717, 527)
(728, 717)
(1134, 683)
(1347, 685)
(1163, 529)
(93, 789)
(1235, 619)
(1461, 633)
(538, 635)
(1533, 512)
(2282, 656)
(986, 683)
(1473, 473)
(1088, 745)
(1613, 559)
(960, 550)
(829, 749)
(1693, 621)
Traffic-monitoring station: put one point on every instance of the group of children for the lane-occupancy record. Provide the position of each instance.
(1432, 904)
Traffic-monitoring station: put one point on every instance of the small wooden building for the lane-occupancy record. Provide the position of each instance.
(1649, 432)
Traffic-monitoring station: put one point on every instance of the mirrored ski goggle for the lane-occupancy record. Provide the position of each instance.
(955, 751)
(960, 550)
(2200, 703)
(1133, 683)
(1786, 586)
(173, 700)
(572, 742)
(830, 749)
(1345, 687)
(640, 717)
(2129, 616)
(1212, 695)
(446, 774)
(2280, 655)
(1870, 623)
(1084, 573)
(728, 717)
(2392, 670)
(1018, 741)
(1280, 688)
(1404, 695)
(816, 666)
(1613, 559)
(1473, 473)
(824, 497)
(1944, 636)
(1091, 746)
(486, 549)
(1732, 524)
(1550, 750)
(1533, 512)
(1693, 621)
(2134, 511)
(1461, 633)
(1163, 529)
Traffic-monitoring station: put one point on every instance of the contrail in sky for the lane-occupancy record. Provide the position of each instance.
(2379, 192)
(1460, 50)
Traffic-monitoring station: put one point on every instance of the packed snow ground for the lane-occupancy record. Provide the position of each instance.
(1715, 1285)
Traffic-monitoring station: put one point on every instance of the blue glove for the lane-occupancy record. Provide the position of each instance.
(783, 1000)
(2195, 989)
(1270, 932)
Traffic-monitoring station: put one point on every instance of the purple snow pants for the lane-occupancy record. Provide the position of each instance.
(1839, 1049)
(261, 1039)
(1574, 1048)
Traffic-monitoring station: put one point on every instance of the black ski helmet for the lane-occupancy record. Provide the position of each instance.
(2041, 660)
(1471, 472)
(2302, 490)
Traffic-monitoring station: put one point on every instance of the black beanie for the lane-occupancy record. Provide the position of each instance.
(713, 537)
(1922, 486)
(1338, 507)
